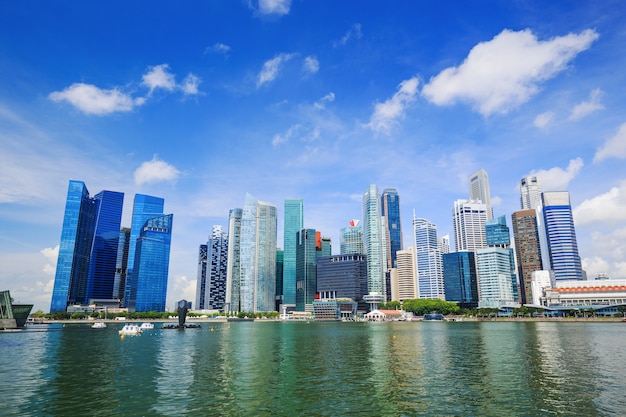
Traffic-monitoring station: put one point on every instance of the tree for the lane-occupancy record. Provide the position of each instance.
(421, 306)
(622, 309)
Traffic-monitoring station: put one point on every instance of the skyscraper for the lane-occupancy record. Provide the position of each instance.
(212, 268)
(374, 242)
(429, 267)
(407, 274)
(390, 208)
(342, 276)
(469, 217)
(530, 192)
(306, 269)
(152, 260)
(293, 223)
(257, 258)
(233, 272)
(88, 247)
(559, 249)
(479, 190)
(460, 278)
(121, 264)
(527, 250)
(351, 239)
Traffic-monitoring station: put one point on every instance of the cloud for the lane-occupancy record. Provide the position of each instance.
(155, 171)
(190, 85)
(503, 73)
(353, 33)
(614, 147)
(219, 47)
(280, 139)
(311, 64)
(609, 207)
(543, 120)
(276, 7)
(93, 100)
(610, 251)
(52, 255)
(585, 108)
(557, 179)
(321, 103)
(386, 114)
(159, 76)
(271, 69)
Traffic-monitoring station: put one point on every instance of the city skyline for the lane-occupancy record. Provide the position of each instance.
(306, 100)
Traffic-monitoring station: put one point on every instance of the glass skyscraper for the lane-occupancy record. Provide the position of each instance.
(429, 267)
(212, 270)
(390, 208)
(293, 223)
(530, 193)
(121, 264)
(351, 239)
(306, 269)
(233, 277)
(88, 247)
(479, 190)
(460, 279)
(374, 242)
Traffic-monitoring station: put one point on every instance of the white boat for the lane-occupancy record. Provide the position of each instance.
(99, 325)
(130, 329)
(146, 326)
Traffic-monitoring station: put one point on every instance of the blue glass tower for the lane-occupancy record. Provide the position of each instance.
(429, 267)
(390, 210)
(152, 259)
(294, 218)
(460, 279)
(306, 272)
(497, 232)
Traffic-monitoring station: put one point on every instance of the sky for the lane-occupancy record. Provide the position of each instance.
(201, 102)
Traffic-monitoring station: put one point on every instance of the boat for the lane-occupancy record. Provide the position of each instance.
(146, 326)
(130, 329)
(99, 325)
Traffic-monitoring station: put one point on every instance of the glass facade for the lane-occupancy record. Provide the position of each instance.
(374, 241)
(233, 275)
(293, 223)
(342, 276)
(497, 232)
(152, 257)
(461, 282)
(351, 240)
(306, 269)
(497, 282)
(390, 208)
(527, 250)
(217, 261)
(201, 282)
(121, 264)
(429, 267)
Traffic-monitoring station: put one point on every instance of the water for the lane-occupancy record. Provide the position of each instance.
(318, 369)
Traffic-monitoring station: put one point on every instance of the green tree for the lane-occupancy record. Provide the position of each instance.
(421, 306)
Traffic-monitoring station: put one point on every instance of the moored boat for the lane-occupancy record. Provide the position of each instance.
(99, 325)
(146, 326)
(130, 329)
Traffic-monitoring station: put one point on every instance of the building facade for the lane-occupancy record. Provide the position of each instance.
(212, 270)
(527, 250)
(530, 193)
(293, 223)
(406, 272)
(351, 239)
(374, 242)
(306, 269)
(468, 219)
(460, 278)
(342, 276)
(233, 270)
(390, 209)
(479, 190)
(429, 266)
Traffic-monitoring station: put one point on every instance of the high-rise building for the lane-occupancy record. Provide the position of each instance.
(460, 278)
(257, 257)
(88, 247)
(559, 249)
(212, 268)
(390, 209)
(444, 244)
(351, 239)
(497, 232)
(293, 223)
(530, 190)
(233, 273)
(527, 250)
(479, 190)
(151, 266)
(280, 256)
(325, 247)
(374, 242)
(342, 276)
(429, 267)
(306, 269)
(121, 264)
(469, 217)
(406, 271)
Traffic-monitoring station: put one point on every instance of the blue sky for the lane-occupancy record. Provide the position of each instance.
(200, 102)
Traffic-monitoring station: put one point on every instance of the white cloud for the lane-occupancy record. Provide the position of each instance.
(503, 73)
(159, 76)
(271, 69)
(386, 114)
(557, 178)
(543, 120)
(609, 207)
(614, 147)
(280, 139)
(585, 108)
(190, 85)
(353, 33)
(311, 64)
(608, 253)
(155, 171)
(278, 7)
(321, 103)
(218, 48)
(93, 100)
(181, 288)
(52, 255)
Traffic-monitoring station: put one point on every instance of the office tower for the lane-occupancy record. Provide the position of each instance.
(468, 218)
(342, 276)
(374, 242)
(88, 247)
(280, 256)
(152, 260)
(390, 209)
(351, 239)
(444, 244)
(429, 267)
(495, 265)
(257, 256)
(527, 250)
(460, 278)
(306, 272)
(233, 299)
(530, 190)
(559, 249)
(145, 207)
(121, 263)
(541, 281)
(212, 267)
(406, 271)
(293, 223)
(326, 247)
(479, 190)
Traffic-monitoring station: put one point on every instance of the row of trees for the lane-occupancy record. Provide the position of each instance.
(421, 306)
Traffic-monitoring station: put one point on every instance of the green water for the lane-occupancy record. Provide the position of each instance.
(317, 369)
